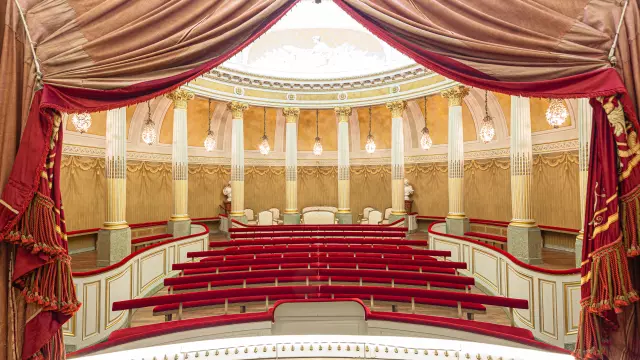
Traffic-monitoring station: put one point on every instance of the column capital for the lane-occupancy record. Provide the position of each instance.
(180, 98)
(343, 113)
(291, 114)
(237, 108)
(455, 94)
(397, 108)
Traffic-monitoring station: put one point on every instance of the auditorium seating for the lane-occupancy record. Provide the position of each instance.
(264, 264)
(363, 218)
(265, 218)
(315, 217)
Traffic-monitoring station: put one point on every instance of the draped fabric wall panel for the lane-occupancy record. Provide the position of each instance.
(487, 189)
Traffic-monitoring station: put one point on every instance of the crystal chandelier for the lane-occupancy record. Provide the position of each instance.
(82, 122)
(556, 113)
(370, 146)
(149, 128)
(487, 131)
(210, 140)
(317, 147)
(264, 143)
(425, 140)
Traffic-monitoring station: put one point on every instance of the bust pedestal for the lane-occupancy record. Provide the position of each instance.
(227, 206)
(408, 204)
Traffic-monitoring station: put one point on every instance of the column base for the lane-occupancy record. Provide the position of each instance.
(344, 218)
(525, 243)
(578, 249)
(240, 218)
(458, 225)
(395, 217)
(112, 246)
(179, 228)
(292, 219)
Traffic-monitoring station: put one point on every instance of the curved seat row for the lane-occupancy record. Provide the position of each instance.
(314, 254)
(317, 228)
(331, 240)
(338, 233)
(318, 248)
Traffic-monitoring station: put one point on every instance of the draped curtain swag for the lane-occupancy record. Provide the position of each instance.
(97, 55)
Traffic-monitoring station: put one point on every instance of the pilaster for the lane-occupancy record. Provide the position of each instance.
(344, 210)
(397, 159)
(291, 214)
(237, 160)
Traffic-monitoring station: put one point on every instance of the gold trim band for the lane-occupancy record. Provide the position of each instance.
(456, 216)
(523, 223)
(291, 211)
(9, 207)
(115, 226)
(179, 218)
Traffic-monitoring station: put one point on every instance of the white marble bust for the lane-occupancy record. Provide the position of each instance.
(408, 190)
(226, 191)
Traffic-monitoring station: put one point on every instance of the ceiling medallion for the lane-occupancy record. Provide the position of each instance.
(291, 96)
(394, 89)
(425, 139)
(556, 113)
(149, 128)
(487, 130)
(342, 96)
(238, 91)
(210, 140)
(317, 146)
(82, 122)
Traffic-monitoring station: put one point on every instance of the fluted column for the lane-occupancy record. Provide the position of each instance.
(237, 160)
(524, 240)
(291, 214)
(180, 224)
(344, 209)
(397, 160)
(585, 115)
(457, 221)
(114, 239)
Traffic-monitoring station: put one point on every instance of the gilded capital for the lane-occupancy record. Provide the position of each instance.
(237, 108)
(291, 115)
(397, 108)
(343, 113)
(455, 94)
(180, 98)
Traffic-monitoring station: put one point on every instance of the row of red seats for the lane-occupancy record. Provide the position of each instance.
(298, 228)
(332, 240)
(321, 234)
(318, 248)
(315, 255)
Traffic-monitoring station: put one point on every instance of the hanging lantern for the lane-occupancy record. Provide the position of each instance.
(210, 140)
(264, 140)
(82, 122)
(487, 130)
(556, 113)
(317, 146)
(425, 139)
(370, 146)
(149, 128)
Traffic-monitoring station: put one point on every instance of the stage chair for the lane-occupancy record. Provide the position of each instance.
(387, 214)
(364, 217)
(265, 218)
(375, 217)
(276, 216)
(250, 217)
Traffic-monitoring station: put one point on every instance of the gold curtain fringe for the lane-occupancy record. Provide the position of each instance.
(630, 221)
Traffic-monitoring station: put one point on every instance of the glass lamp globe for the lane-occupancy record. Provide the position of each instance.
(425, 140)
(82, 122)
(317, 147)
(370, 146)
(264, 146)
(149, 132)
(210, 141)
(556, 113)
(487, 131)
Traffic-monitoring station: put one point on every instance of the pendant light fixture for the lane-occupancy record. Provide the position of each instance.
(317, 146)
(264, 143)
(82, 122)
(487, 130)
(425, 140)
(149, 127)
(210, 140)
(370, 146)
(556, 113)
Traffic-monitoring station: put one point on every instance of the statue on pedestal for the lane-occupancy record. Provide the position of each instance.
(408, 190)
(226, 191)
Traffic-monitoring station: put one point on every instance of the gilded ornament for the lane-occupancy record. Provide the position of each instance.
(455, 95)
(320, 347)
(446, 353)
(343, 113)
(425, 352)
(237, 108)
(310, 347)
(348, 348)
(291, 115)
(397, 108)
(180, 98)
(615, 115)
(357, 348)
(329, 347)
(339, 348)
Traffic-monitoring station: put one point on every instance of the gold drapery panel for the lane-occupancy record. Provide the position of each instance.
(487, 189)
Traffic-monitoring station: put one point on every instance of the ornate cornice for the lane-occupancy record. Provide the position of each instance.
(180, 98)
(237, 108)
(555, 147)
(291, 114)
(397, 108)
(455, 95)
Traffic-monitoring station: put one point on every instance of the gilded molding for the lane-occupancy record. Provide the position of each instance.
(291, 114)
(180, 98)
(237, 109)
(343, 113)
(397, 108)
(455, 95)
